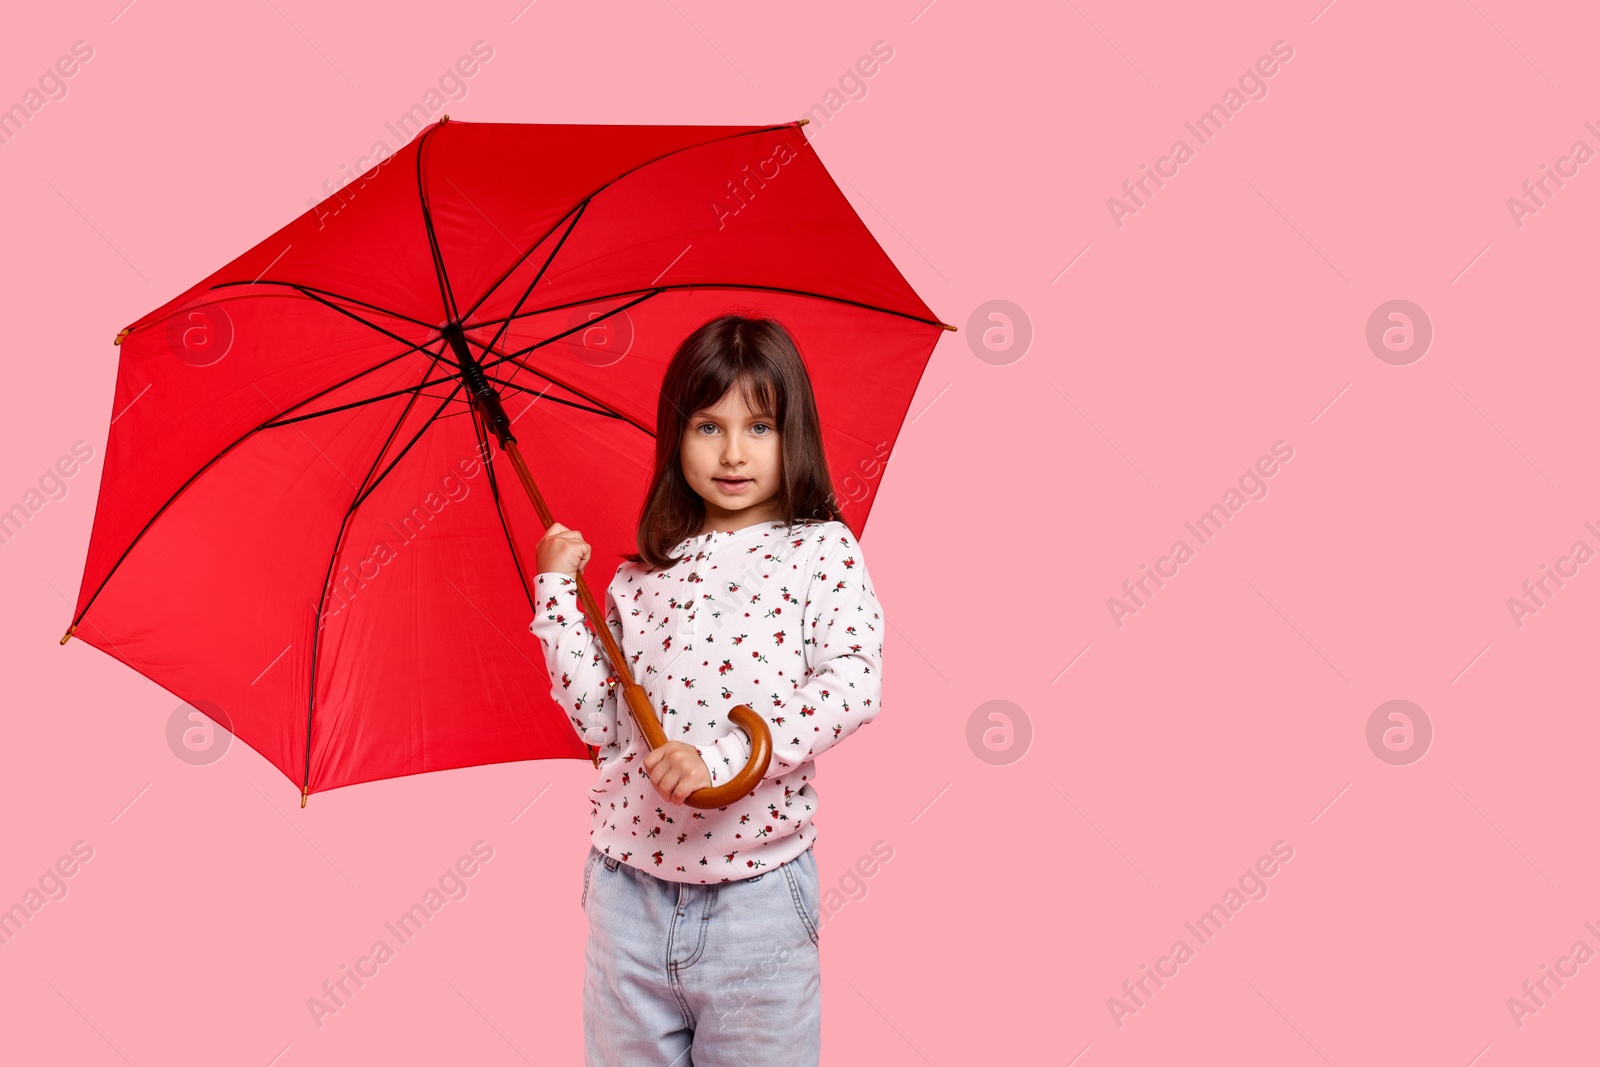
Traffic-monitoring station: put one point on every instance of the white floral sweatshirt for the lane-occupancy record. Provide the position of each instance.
(781, 618)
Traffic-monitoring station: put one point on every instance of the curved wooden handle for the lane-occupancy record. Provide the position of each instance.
(754, 769)
(735, 788)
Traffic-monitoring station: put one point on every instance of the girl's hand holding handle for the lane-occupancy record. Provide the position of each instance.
(561, 551)
(676, 770)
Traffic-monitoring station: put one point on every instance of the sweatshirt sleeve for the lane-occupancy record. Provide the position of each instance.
(572, 652)
(843, 637)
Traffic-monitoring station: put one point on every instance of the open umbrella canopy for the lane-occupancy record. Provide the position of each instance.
(301, 522)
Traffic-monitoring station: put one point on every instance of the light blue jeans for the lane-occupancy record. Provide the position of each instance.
(678, 974)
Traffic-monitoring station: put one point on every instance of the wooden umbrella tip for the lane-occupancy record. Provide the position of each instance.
(947, 326)
(68, 635)
(125, 331)
(802, 122)
(443, 119)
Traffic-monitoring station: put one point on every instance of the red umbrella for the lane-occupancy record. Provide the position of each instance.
(302, 521)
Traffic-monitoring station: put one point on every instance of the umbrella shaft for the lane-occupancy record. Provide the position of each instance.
(632, 693)
(484, 398)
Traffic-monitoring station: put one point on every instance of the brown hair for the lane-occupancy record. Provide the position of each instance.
(759, 357)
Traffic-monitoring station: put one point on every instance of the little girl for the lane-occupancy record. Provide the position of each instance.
(746, 589)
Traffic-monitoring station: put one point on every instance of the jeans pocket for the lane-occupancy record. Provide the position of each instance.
(801, 875)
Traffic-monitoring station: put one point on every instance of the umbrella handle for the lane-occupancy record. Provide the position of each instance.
(633, 694)
(735, 788)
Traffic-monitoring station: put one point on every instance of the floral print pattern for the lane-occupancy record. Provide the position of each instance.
(781, 618)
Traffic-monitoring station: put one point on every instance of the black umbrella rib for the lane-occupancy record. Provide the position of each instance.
(576, 215)
(444, 401)
(504, 326)
(609, 411)
(361, 498)
(488, 467)
(487, 363)
(487, 454)
(495, 285)
(418, 436)
(654, 289)
(602, 188)
(358, 318)
(447, 295)
(553, 338)
(333, 561)
(417, 390)
(310, 289)
(369, 400)
(544, 394)
(410, 348)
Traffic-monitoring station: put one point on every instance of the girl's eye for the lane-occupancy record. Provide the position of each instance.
(711, 425)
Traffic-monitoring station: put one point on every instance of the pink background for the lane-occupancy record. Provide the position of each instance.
(1168, 354)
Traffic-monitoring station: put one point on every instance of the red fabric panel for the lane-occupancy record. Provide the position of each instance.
(229, 561)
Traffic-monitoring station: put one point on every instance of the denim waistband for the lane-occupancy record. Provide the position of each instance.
(612, 863)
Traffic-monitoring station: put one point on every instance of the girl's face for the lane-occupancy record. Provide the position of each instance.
(732, 457)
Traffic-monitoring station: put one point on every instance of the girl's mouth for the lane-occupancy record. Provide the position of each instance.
(734, 485)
